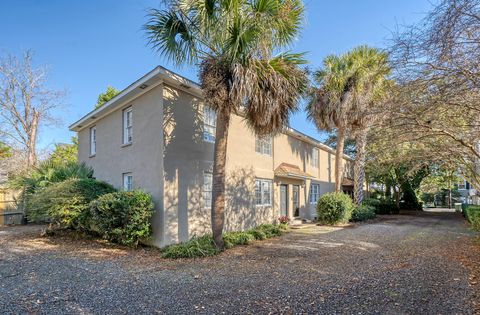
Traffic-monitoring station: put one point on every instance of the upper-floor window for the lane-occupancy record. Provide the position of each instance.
(127, 181)
(127, 125)
(93, 141)
(263, 192)
(462, 184)
(263, 145)
(314, 161)
(209, 124)
(314, 193)
(207, 190)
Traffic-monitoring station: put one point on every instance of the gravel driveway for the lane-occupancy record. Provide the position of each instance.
(423, 263)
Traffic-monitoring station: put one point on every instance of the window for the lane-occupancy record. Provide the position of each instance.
(314, 193)
(314, 160)
(207, 190)
(127, 126)
(209, 124)
(93, 141)
(127, 182)
(462, 185)
(263, 145)
(263, 192)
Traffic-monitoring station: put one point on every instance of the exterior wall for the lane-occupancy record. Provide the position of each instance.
(168, 158)
(143, 158)
(186, 157)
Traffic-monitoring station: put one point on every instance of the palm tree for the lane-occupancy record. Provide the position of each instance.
(330, 104)
(351, 88)
(233, 42)
(371, 71)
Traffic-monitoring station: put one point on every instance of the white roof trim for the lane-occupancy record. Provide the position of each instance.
(157, 76)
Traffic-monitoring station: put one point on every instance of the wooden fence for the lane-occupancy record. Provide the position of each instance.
(9, 214)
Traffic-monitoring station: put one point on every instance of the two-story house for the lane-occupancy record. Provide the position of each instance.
(158, 135)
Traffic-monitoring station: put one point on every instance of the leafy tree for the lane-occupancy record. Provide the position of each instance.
(65, 153)
(104, 97)
(234, 44)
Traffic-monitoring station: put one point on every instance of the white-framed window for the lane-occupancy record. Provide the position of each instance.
(207, 190)
(263, 145)
(462, 184)
(209, 124)
(314, 161)
(127, 125)
(263, 192)
(314, 193)
(93, 141)
(127, 181)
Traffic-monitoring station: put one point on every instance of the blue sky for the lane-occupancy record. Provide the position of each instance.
(91, 44)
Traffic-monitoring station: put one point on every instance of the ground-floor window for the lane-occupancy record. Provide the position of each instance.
(263, 192)
(127, 181)
(314, 193)
(207, 190)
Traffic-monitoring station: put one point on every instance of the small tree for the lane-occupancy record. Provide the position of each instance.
(104, 97)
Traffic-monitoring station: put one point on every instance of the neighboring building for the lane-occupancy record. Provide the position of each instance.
(157, 135)
(468, 194)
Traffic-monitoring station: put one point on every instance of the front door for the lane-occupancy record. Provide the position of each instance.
(296, 195)
(283, 200)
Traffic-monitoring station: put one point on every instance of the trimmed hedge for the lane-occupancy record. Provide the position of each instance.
(123, 217)
(66, 204)
(363, 213)
(472, 214)
(204, 246)
(381, 206)
(334, 208)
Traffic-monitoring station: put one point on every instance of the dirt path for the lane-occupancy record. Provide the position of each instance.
(406, 264)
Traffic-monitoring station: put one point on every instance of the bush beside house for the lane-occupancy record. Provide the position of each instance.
(122, 217)
(66, 204)
(334, 208)
(204, 246)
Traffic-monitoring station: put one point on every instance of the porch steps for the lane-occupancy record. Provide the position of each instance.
(299, 224)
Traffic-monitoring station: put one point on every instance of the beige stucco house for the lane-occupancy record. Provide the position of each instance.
(158, 135)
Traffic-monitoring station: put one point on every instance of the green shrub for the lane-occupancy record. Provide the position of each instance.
(387, 206)
(270, 230)
(232, 239)
(257, 234)
(123, 217)
(333, 208)
(472, 214)
(65, 204)
(196, 247)
(371, 202)
(362, 213)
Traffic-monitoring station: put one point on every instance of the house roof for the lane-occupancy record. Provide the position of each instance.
(290, 170)
(156, 77)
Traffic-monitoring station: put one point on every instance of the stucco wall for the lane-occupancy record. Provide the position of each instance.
(168, 158)
(143, 158)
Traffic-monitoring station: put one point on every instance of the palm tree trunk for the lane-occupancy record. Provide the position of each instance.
(359, 173)
(218, 184)
(339, 159)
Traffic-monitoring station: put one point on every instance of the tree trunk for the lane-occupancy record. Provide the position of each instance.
(359, 170)
(32, 140)
(218, 184)
(339, 159)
